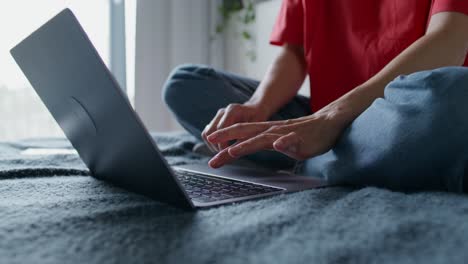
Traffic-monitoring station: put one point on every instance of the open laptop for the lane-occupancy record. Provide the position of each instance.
(75, 85)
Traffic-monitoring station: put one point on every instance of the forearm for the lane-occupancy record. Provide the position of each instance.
(281, 82)
(438, 48)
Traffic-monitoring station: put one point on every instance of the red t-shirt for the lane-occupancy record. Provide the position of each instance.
(346, 42)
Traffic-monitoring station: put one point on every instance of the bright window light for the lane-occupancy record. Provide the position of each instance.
(22, 114)
(130, 30)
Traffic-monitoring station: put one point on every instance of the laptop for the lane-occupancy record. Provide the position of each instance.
(71, 79)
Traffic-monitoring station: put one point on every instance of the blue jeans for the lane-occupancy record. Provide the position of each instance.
(195, 93)
(416, 138)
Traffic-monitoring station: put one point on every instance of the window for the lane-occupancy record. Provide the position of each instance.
(22, 114)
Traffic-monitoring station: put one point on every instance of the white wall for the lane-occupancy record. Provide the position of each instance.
(179, 31)
(235, 47)
(168, 33)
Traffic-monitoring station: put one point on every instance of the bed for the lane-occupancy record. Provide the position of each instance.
(52, 211)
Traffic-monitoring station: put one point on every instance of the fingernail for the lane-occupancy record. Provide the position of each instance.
(292, 149)
(212, 137)
(233, 151)
(213, 163)
(279, 144)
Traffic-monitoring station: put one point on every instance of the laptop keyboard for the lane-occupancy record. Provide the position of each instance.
(204, 188)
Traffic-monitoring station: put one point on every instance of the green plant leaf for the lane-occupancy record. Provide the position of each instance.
(242, 12)
(219, 28)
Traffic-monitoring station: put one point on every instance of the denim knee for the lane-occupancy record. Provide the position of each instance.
(442, 87)
(181, 84)
(439, 95)
(414, 138)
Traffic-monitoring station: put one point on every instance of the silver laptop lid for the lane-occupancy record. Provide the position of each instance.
(67, 73)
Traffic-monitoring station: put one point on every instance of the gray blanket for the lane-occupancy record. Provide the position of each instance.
(52, 212)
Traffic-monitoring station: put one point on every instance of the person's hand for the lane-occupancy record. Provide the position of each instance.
(300, 138)
(232, 114)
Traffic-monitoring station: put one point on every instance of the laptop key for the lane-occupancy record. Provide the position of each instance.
(205, 188)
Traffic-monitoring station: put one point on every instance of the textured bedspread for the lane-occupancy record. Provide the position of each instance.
(51, 212)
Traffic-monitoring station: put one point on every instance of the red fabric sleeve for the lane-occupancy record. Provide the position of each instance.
(460, 6)
(289, 25)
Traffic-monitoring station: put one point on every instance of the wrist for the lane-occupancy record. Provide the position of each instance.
(341, 112)
(347, 108)
(262, 111)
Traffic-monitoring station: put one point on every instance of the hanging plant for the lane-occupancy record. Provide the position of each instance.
(244, 13)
